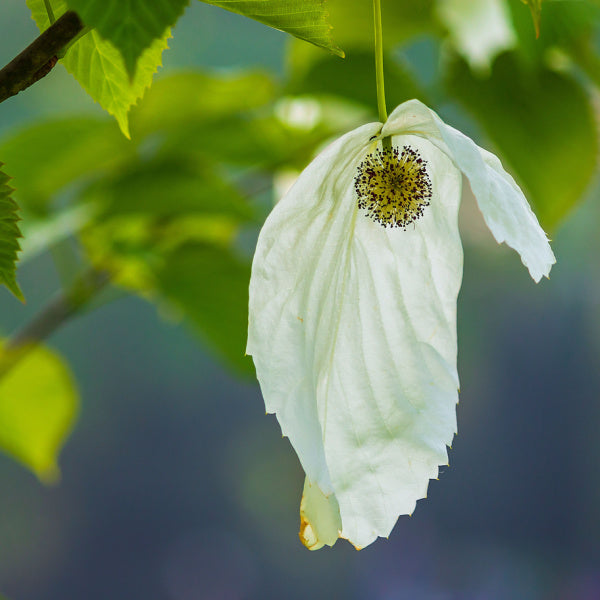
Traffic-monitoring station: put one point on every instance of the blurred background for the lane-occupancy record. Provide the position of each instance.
(174, 484)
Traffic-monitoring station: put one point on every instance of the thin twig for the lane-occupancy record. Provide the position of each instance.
(38, 59)
(59, 310)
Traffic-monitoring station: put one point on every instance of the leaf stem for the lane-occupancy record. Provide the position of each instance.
(38, 59)
(50, 12)
(381, 108)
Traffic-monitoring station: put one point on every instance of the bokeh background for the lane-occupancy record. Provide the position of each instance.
(176, 486)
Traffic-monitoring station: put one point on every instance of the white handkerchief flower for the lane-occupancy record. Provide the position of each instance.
(352, 323)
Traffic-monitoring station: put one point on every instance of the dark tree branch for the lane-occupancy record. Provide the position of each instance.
(38, 59)
(59, 310)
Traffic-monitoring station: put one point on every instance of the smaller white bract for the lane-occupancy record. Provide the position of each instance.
(352, 322)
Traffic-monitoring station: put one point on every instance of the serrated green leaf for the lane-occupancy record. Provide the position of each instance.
(100, 69)
(38, 406)
(304, 19)
(9, 236)
(543, 126)
(131, 25)
(209, 285)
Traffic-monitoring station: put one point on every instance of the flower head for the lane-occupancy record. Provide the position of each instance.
(393, 187)
(352, 323)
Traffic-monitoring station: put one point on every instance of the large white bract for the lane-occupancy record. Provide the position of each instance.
(352, 324)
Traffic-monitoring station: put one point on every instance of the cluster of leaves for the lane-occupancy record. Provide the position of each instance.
(171, 212)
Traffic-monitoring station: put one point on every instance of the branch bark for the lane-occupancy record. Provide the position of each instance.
(59, 310)
(38, 59)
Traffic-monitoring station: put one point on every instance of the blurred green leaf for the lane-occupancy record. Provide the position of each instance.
(353, 78)
(9, 237)
(209, 285)
(38, 406)
(166, 231)
(543, 126)
(44, 233)
(47, 156)
(199, 97)
(536, 10)
(165, 188)
(262, 142)
(566, 24)
(478, 30)
(304, 19)
(352, 21)
(131, 25)
(99, 67)
(134, 247)
(570, 32)
(147, 209)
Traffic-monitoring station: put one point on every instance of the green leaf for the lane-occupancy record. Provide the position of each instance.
(38, 406)
(304, 19)
(478, 30)
(209, 285)
(543, 125)
(100, 69)
(131, 25)
(9, 237)
(197, 97)
(354, 78)
(352, 21)
(570, 27)
(63, 151)
(259, 143)
(166, 188)
(536, 11)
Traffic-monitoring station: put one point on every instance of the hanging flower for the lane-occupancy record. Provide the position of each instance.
(353, 313)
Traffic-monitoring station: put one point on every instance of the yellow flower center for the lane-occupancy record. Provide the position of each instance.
(393, 187)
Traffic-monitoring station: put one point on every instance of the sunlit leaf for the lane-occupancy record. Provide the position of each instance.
(543, 126)
(100, 69)
(9, 236)
(131, 25)
(38, 406)
(304, 19)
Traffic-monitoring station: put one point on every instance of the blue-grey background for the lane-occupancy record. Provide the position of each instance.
(176, 486)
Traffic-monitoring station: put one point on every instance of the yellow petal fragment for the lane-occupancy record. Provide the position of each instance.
(320, 521)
